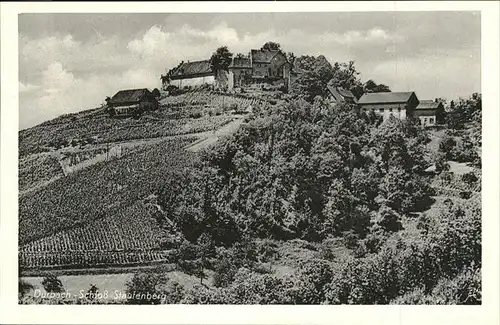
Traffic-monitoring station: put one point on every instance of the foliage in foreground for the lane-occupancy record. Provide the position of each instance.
(442, 267)
(303, 171)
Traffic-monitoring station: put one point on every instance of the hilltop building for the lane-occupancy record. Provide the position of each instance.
(397, 104)
(266, 66)
(132, 101)
(191, 74)
(430, 113)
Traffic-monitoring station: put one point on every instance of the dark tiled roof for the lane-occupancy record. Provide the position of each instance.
(426, 112)
(428, 104)
(339, 91)
(383, 105)
(380, 98)
(263, 55)
(128, 96)
(192, 69)
(240, 63)
(345, 92)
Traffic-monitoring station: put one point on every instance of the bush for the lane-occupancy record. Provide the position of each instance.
(24, 287)
(146, 288)
(465, 195)
(350, 240)
(470, 178)
(52, 284)
(195, 114)
(388, 219)
(233, 107)
(464, 289)
(447, 146)
(225, 271)
(314, 276)
(375, 240)
(440, 162)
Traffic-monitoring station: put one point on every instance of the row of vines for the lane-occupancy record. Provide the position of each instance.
(101, 191)
(84, 259)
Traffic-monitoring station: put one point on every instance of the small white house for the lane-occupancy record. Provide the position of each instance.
(430, 113)
(397, 104)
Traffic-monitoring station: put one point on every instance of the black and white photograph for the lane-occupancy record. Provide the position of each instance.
(241, 159)
(250, 158)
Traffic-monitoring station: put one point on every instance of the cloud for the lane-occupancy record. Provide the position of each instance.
(26, 88)
(433, 74)
(61, 74)
(362, 38)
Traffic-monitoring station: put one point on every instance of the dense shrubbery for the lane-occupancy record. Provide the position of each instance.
(302, 171)
(313, 172)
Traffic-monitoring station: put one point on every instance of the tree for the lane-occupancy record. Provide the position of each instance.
(388, 219)
(144, 288)
(156, 93)
(220, 59)
(24, 287)
(52, 284)
(371, 87)
(271, 46)
(464, 111)
(290, 57)
(345, 75)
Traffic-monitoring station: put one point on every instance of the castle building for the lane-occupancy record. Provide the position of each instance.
(261, 65)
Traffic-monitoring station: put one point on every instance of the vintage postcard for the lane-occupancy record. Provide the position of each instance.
(278, 154)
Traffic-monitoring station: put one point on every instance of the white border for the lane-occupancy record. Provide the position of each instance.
(10, 312)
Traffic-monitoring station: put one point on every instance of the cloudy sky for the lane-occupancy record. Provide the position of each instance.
(71, 62)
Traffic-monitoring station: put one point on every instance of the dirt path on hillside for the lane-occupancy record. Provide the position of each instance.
(211, 138)
(205, 139)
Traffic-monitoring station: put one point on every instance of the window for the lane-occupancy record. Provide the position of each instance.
(431, 120)
(425, 120)
(381, 111)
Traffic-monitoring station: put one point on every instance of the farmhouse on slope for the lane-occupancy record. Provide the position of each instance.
(132, 101)
(397, 104)
(430, 112)
(401, 105)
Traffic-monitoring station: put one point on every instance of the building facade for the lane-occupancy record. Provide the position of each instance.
(259, 66)
(430, 113)
(132, 101)
(397, 104)
(193, 73)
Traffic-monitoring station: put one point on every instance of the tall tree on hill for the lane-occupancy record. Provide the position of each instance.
(271, 46)
(345, 75)
(219, 63)
(290, 56)
(372, 87)
(221, 59)
(464, 111)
